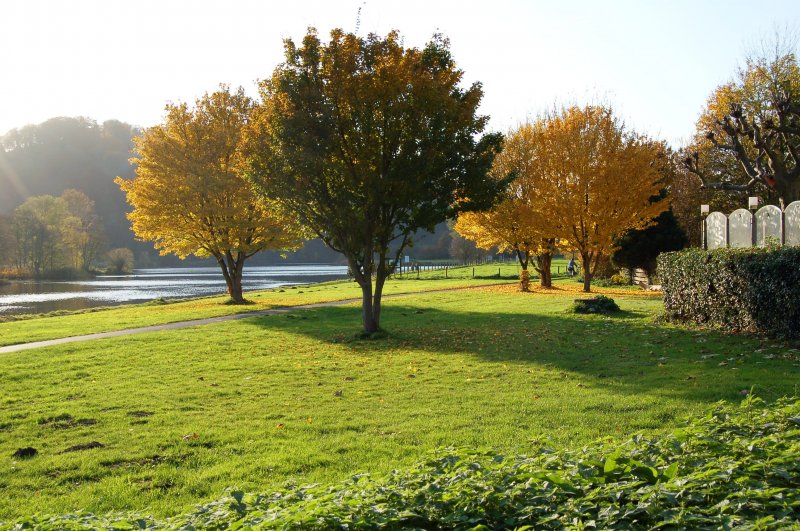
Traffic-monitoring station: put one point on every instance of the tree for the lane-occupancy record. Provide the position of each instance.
(670, 229)
(515, 224)
(598, 182)
(462, 249)
(85, 236)
(189, 195)
(40, 224)
(748, 137)
(640, 248)
(7, 243)
(368, 141)
(120, 260)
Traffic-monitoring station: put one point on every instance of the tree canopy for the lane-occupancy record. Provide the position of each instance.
(369, 141)
(189, 195)
(748, 137)
(640, 248)
(515, 224)
(47, 233)
(599, 181)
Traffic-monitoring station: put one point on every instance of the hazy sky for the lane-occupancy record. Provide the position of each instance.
(655, 61)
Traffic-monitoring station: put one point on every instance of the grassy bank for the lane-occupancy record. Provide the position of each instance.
(180, 416)
(52, 326)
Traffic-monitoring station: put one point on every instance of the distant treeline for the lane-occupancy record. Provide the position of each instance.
(85, 156)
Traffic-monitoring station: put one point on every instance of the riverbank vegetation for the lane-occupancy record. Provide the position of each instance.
(159, 422)
(46, 235)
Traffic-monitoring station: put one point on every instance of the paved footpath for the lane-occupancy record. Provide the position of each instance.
(199, 322)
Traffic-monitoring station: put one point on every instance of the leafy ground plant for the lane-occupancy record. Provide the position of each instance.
(734, 468)
(599, 304)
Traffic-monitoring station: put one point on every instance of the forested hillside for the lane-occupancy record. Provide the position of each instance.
(77, 153)
(82, 154)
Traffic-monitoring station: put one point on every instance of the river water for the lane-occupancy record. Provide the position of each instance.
(142, 285)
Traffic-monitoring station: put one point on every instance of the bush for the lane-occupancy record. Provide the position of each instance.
(740, 290)
(598, 304)
(735, 468)
(120, 261)
(618, 279)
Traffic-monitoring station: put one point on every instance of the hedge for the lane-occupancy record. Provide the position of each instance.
(734, 468)
(739, 290)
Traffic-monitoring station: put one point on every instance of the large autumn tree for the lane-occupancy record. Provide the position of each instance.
(516, 224)
(369, 141)
(189, 195)
(600, 181)
(748, 137)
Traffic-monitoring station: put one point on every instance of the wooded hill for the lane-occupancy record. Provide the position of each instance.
(80, 153)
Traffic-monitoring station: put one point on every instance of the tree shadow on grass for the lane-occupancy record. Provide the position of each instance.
(625, 352)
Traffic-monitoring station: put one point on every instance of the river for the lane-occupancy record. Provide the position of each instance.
(30, 296)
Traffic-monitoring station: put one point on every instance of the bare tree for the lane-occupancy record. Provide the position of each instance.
(754, 121)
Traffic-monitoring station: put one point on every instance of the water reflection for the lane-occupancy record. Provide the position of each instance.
(148, 284)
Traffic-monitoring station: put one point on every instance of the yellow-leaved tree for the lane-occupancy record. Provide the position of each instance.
(189, 195)
(599, 181)
(515, 224)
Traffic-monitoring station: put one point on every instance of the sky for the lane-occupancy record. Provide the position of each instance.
(655, 62)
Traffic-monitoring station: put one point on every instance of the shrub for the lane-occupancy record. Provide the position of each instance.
(120, 261)
(618, 279)
(598, 304)
(640, 248)
(735, 468)
(740, 290)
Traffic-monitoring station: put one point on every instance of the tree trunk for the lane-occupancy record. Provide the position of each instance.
(367, 309)
(586, 264)
(789, 191)
(364, 280)
(380, 279)
(545, 261)
(232, 271)
(235, 290)
(524, 275)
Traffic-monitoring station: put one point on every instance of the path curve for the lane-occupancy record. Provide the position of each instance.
(208, 320)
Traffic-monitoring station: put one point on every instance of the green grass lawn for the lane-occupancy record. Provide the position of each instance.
(159, 312)
(251, 404)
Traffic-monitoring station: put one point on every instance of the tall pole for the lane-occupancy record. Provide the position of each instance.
(704, 209)
(752, 204)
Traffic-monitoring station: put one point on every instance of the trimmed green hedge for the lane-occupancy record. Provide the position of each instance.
(740, 290)
(735, 468)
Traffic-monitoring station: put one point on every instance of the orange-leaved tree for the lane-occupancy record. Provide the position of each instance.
(189, 195)
(599, 181)
(516, 224)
